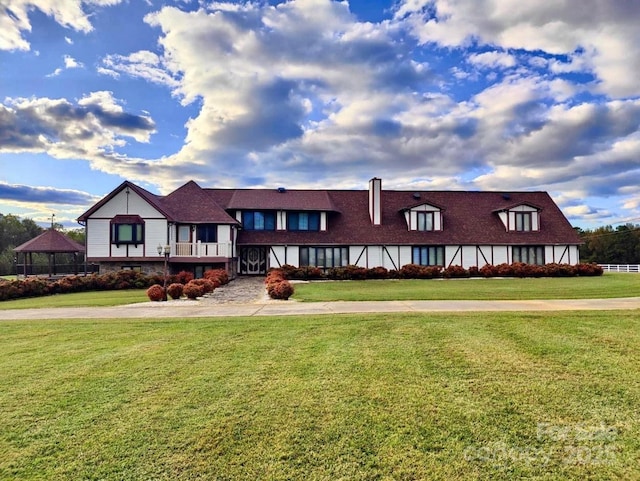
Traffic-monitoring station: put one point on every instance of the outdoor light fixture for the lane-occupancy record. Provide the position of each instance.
(164, 251)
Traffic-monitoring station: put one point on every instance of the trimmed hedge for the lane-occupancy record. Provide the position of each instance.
(124, 279)
(415, 271)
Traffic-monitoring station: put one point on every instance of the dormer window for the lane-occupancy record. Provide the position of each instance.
(425, 220)
(308, 221)
(520, 218)
(259, 220)
(424, 217)
(523, 221)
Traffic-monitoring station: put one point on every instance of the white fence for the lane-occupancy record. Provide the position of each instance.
(621, 267)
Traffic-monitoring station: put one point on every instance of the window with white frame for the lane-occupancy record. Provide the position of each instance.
(425, 220)
(524, 221)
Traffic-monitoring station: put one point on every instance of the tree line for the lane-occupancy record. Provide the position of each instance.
(15, 231)
(604, 245)
(608, 245)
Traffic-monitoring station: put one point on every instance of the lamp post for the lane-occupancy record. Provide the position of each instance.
(164, 251)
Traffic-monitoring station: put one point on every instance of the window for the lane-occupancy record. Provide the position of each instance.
(207, 233)
(325, 257)
(184, 233)
(258, 220)
(523, 221)
(132, 268)
(528, 254)
(425, 220)
(428, 255)
(303, 221)
(127, 229)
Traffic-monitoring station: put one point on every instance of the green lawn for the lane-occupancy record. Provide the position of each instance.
(80, 299)
(607, 286)
(360, 397)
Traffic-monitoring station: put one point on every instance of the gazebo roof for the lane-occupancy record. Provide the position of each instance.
(50, 241)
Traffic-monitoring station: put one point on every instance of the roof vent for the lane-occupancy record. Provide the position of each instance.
(416, 195)
(282, 190)
(506, 196)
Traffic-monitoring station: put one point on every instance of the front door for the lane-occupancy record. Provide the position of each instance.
(253, 260)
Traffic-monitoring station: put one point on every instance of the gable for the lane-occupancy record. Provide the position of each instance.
(126, 199)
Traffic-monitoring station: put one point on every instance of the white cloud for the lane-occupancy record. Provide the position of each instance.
(91, 129)
(601, 36)
(492, 59)
(14, 18)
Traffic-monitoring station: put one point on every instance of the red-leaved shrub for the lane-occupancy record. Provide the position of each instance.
(175, 290)
(280, 290)
(183, 277)
(155, 293)
(455, 272)
(193, 290)
(218, 276)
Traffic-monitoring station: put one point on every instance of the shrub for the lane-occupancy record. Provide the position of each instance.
(275, 275)
(207, 285)
(287, 270)
(280, 290)
(377, 273)
(559, 270)
(591, 269)
(183, 277)
(416, 271)
(474, 271)
(488, 270)
(175, 290)
(219, 276)
(193, 290)
(155, 293)
(455, 272)
(355, 273)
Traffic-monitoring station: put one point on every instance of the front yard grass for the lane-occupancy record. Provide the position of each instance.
(609, 285)
(497, 396)
(79, 299)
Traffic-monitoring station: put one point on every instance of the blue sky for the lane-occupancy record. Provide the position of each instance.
(426, 94)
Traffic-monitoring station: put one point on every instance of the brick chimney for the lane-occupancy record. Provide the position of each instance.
(375, 201)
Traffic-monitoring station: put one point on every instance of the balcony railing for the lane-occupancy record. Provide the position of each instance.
(201, 249)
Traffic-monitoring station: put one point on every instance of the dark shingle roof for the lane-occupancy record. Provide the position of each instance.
(469, 218)
(50, 241)
(190, 203)
(281, 199)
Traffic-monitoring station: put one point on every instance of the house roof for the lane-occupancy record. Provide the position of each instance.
(469, 219)
(190, 203)
(50, 241)
(281, 199)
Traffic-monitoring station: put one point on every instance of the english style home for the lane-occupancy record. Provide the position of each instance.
(247, 231)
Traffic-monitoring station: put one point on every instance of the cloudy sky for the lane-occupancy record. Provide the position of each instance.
(426, 94)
